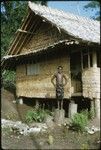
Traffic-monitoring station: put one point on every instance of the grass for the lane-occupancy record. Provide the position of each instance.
(37, 115)
(79, 121)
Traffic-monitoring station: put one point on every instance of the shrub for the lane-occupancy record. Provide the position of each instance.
(8, 81)
(37, 115)
(91, 114)
(79, 121)
(29, 116)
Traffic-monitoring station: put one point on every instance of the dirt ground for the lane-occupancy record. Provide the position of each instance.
(61, 137)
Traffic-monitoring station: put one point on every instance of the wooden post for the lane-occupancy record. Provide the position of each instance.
(72, 109)
(20, 100)
(94, 59)
(37, 104)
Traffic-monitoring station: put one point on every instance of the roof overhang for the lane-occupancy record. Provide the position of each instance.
(10, 61)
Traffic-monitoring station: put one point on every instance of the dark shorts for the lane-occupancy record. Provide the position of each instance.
(59, 92)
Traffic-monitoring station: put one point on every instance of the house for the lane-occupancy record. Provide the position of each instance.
(49, 38)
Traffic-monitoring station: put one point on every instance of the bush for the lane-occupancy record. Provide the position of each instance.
(37, 115)
(8, 81)
(91, 114)
(79, 121)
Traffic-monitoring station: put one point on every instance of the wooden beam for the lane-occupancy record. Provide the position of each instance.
(31, 26)
(34, 29)
(22, 34)
(23, 31)
(18, 33)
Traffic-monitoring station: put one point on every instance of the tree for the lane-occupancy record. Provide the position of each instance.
(12, 13)
(94, 5)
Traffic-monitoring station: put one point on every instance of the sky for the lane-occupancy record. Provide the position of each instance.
(76, 7)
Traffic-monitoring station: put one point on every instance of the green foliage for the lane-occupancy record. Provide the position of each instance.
(8, 81)
(12, 13)
(9, 76)
(37, 115)
(44, 2)
(94, 5)
(79, 121)
(91, 114)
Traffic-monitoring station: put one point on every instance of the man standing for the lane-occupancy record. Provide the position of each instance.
(59, 84)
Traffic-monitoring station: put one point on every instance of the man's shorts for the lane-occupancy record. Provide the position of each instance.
(59, 92)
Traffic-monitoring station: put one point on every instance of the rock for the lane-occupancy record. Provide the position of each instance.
(34, 130)
(98, 142)
(14, 101)
(41, 143)
(50, 139)
(22, 128)
(66, 121)
(92, 130)
(49, 122)
(59, 116)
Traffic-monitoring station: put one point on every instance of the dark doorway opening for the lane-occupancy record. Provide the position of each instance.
(82, 103)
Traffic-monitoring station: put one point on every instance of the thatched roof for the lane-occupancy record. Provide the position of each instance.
(77, 26)
(80, 28)
(10, 61)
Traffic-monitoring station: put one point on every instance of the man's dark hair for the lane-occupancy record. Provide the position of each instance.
(60, 67)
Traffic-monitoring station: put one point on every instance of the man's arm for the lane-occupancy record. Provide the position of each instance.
(52, 80)
(64, 76)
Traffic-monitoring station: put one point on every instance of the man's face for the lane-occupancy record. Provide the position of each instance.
(60, 70)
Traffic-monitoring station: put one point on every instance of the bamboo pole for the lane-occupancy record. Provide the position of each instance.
(23, 31)
(30, 36)
(33, 30)
(18, 34)
(25, 38)
(21, 35)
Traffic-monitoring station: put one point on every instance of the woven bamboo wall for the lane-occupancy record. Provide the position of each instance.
(91, 82)
(40, 85)
(44, 36)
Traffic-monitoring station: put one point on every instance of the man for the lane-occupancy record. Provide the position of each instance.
(59, 84)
